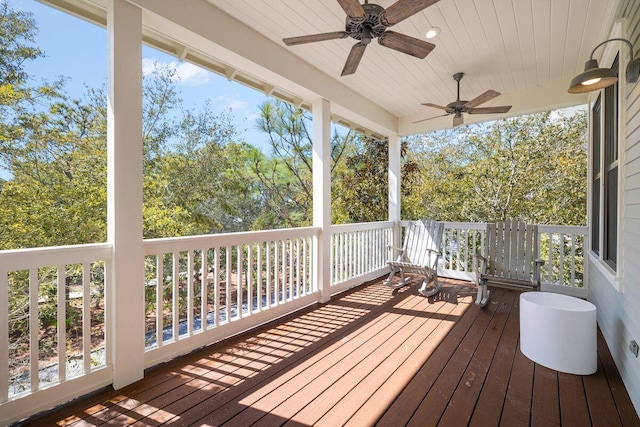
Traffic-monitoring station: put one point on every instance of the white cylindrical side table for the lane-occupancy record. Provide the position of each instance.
(559, 332)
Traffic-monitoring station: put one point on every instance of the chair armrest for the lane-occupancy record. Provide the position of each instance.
(401, 250)
(482, 268)
(536, 270)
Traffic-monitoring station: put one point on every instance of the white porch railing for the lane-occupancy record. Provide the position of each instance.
(561, 247)
(359, 252)
(199, 290)
(205, 288)
(58, 344)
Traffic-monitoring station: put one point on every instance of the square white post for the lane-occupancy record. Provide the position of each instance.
(395, 181)
(321, 111)
(125, 286)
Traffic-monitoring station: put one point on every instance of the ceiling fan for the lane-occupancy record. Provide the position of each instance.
(366, 22)
(458, 107)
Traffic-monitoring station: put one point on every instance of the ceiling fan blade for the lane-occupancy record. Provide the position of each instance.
(406, 44)
(292, 41)
(458, 120)
(490, 110)
(402, 9)
(481, 99)
(440, 107)
(354, 58)
(431, 118)
(353, 9)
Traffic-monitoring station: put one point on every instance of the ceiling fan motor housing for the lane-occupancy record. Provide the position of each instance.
(355, 27)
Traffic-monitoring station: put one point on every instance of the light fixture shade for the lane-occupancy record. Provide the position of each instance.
(603, 77)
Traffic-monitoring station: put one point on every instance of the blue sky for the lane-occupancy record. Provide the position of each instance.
(77, 49)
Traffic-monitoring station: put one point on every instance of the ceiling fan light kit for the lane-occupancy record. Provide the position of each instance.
(365, 22)
(432, 32)
(594, 77)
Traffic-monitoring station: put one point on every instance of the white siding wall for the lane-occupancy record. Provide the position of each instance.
(619, 312)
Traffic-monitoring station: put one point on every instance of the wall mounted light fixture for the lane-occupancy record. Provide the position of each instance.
(595, 78)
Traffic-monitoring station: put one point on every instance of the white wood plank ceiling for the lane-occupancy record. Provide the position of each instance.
(526, 49)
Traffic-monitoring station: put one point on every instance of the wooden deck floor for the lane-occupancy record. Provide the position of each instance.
(370, 357)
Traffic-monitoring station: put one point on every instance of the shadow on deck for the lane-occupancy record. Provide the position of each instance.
(370, 356)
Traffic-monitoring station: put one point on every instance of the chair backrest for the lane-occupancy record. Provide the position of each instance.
(420, 237)
(512, 249)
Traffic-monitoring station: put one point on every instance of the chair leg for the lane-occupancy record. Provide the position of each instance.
(429, 292)
(391, 274)
(395, 285)
(483, 294)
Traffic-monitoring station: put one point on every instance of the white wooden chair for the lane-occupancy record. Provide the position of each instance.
(510, 259)
(419, 255)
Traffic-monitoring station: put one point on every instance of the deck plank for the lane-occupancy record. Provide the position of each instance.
(351, 364)
(219, 410)
(491, 400)
(517, 404)
(545, 406)
(625, 408)
(400, 411)
(390, 377)
(573, 401)
(602, 408)
(423, 320)
(370, 356)
(467, 393)
(311, 378)
(439, 396)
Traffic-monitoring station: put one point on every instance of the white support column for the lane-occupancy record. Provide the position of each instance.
(125, 296)
(395, 180)
(321, 110)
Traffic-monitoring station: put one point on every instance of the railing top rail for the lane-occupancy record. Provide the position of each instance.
(466, 225)
(24, 259)
(343, 228)
(564, 229)
(152, 246)
(455, 225)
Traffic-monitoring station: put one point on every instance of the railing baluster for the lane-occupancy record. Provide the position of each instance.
(259, 278)
(250, 278)
(550, 258)
(176, 296)
(204, 291)
(297, 266)
(159, 299)
(190, 296)
(561, 259)
(227, 287)
(573, 260)
(34, 330)
(268, 274)
(62, 322)
(240, 282)
(4, 336)
(216, 286)
(86, 317)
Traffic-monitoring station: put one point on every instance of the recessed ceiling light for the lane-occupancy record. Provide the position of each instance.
(432, 32)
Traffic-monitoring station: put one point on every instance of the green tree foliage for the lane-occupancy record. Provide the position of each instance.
(286, 177)
(531, 168)
(58, 192)
(360, 190)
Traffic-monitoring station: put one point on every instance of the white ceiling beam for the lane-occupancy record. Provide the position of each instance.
(205, 28)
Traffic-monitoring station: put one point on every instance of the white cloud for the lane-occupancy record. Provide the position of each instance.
(236, 104)
(185, 73)
(253, 117)
(229, 102)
